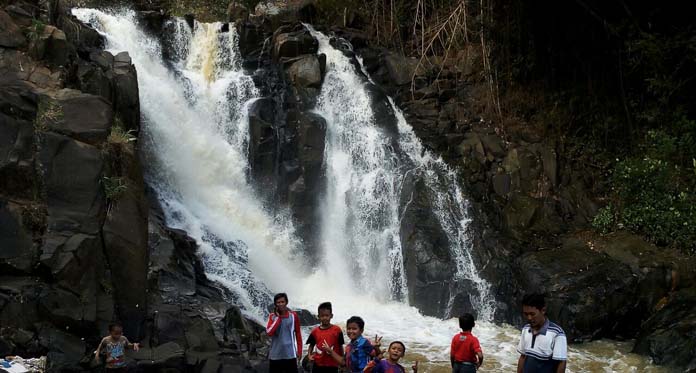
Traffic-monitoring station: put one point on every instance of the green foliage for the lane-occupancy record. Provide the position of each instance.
(604, 220)
(655, 193)
(48, 112)
(36, 29)
(114, 187)
(120, 136)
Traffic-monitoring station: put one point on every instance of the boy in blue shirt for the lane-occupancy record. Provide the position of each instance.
(359, 351)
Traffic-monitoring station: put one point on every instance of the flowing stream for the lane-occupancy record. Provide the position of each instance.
(195, 135)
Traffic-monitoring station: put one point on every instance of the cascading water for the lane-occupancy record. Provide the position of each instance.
(366, 172)
(195, 132)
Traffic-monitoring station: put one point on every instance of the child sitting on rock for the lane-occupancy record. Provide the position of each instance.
(115, 345)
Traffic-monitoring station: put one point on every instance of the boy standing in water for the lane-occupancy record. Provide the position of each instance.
(543, 347)
(391, 364)
(466, 354)
(359, 351)
(115, 345)
(327, 333)
(286, 338)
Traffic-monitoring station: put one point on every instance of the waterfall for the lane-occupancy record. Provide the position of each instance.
(196, 131)
(366, 170)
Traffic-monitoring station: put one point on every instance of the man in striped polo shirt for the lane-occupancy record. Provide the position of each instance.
(286, 339)
(543, 347)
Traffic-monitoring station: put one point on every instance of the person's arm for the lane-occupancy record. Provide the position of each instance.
(341, 342)
(98, 351)
(328, 350)
(520, 363)
(478, 351)
(132, 346)
(371, 367)
(273, 324)
(298, 334)
(452, 351)
(560, 352)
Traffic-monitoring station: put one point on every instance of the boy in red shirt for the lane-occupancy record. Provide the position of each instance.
(325, 333)
(465, 353)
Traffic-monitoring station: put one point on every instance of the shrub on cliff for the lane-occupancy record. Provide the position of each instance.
(653, 192)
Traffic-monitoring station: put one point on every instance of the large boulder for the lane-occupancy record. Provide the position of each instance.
(597, 288)
(428, 263)
(263, 141)
(84, 117)
(10, 34)
(289, 42)
(304, 71)
(401, 69)
(125, 92)
(73, 180)
(669, 336)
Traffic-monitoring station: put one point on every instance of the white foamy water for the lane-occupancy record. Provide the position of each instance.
(195, 127)
(194, 121)
(367, 168)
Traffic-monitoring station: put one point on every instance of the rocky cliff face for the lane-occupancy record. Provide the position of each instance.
(80, 245)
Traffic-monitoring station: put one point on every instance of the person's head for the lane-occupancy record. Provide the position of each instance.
(354, 327)
(396, 351)
(466, 322)
(115, 330)
(280, 301)
(325, 313)
(534, 310)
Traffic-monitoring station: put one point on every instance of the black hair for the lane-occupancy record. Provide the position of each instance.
(466, 321)
(114, 325)
(358, 320)
(325, 306)
(280, 295)
(535, 300)
(401, 343)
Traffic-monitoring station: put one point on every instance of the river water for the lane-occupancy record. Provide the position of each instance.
(195, 140)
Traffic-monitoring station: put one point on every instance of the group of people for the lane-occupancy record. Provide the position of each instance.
(542, 346)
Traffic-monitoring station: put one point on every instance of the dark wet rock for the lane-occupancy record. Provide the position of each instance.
(263, 141)
(72, 176)
(16, 241)
(10, 34)
(293, 44)
(601, 286)
(83, 37)
(587, 294)
(427, 262)
(125, 235)
(17, 172)
(307, 318)
(84, 117)
(305, 71)
(669, 336)
(65, 351)
(126, 93)
(51, 44)
(401, 69)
